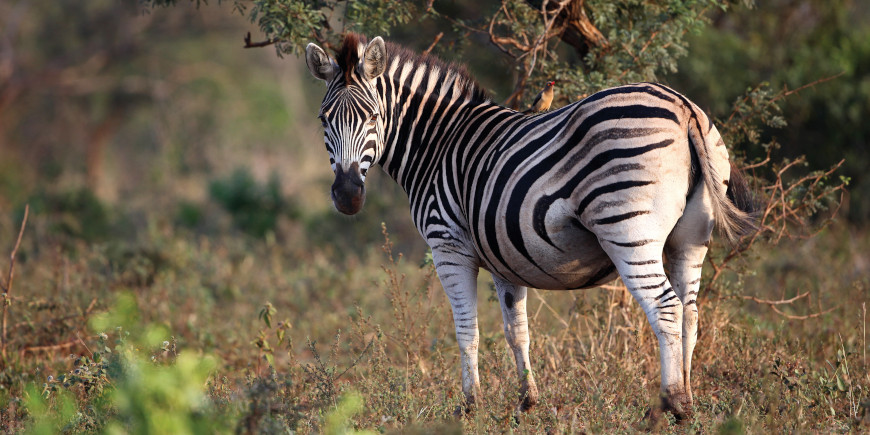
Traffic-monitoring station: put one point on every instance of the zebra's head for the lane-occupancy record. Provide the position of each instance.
(351, 114)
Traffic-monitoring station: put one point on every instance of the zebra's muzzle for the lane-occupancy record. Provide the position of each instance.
(348, 190)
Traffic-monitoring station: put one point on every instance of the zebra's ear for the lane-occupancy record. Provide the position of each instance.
(375, 59)
(320, 65)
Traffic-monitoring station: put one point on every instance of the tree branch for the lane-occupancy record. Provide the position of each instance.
(573, 25)
(266, 43)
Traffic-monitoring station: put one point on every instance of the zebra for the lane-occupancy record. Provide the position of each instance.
(568, 199)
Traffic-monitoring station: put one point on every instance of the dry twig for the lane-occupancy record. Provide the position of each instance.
(808, 316)
(432, 45)
(51, 347)
(51, 322)
(779, 302)
(7, 287)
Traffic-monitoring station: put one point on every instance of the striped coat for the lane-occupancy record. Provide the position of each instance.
(570, 199)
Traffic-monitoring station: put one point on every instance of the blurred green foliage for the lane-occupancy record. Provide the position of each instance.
(189, 214)
(789, 44)
(645, 40)
(255, 207)
(631, 54)
(130, 383)
(337, 420)
(76, 213)
(50, 417)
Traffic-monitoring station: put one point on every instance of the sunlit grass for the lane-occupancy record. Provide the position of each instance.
(375, 324)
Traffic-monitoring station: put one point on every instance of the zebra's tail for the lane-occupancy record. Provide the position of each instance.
(734, 206)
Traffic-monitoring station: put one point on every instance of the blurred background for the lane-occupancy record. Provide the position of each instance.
(162, 159)
(114, 115)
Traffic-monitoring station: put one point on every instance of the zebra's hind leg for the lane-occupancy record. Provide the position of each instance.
(639, 263)
(686, 248)
(684, 267)
(512, 299)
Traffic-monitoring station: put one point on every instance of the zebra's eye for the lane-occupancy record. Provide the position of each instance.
(323, 121)
(373, 119)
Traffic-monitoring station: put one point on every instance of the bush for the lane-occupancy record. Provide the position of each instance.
(254, 207)
(76, 213)
(135, 381)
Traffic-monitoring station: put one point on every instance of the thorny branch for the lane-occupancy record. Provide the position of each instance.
(51, 322)
(773, 305)
(51, 347)
(805, 317)
(788, 204)
(549, 20)
(7, 302)
(780, 213)
(527, 49)
(785, 93)
(573, 25)
(357, 360)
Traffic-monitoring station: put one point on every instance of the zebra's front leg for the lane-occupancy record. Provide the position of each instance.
(516, 330)
(459, 280)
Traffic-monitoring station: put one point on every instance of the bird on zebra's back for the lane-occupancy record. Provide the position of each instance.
(543, 100)
(609, 186)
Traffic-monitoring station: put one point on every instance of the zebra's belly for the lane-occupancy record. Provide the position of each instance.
(573, 260)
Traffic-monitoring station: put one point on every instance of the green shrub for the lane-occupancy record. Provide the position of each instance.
(76, 213)
(138, 384)
(188, 214)
(254, 207)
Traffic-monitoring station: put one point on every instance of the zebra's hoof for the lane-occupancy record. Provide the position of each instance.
(465, 408)
(678, 404)
(461, 411)
(528, 396)
(528, 401)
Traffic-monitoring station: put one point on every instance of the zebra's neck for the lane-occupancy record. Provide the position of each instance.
(430, 111)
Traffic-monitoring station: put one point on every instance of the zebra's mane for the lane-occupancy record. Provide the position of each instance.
(348, 57)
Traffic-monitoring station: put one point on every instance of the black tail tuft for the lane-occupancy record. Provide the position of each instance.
(741, 196)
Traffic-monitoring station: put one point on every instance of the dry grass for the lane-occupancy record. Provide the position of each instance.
(379, 325)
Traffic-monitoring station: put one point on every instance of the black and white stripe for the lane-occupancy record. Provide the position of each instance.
(562, 200)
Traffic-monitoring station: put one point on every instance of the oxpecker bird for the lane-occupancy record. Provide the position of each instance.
(543, 99)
